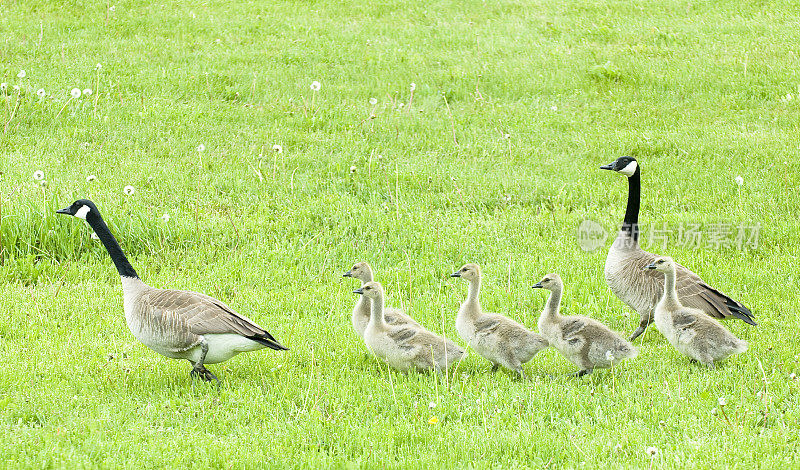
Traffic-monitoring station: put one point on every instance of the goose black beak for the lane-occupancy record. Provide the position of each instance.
(358, 291)
(64, 211)
(610, 166)
(348, 274)
(538, 285)
(649, 266)
(456, 274)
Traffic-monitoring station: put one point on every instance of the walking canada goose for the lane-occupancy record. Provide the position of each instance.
(406, 346)
(175, 323)
(363, 272)
(688, 330)
(586, 342)
(499, 339)
(641, 290)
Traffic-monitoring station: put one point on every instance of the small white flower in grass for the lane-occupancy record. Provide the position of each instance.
(87, 92)
(373, 101)
(662, 423)
(201, 148)
(432, 405)
(129, 190)
(95, 237)
(21, 74)
(400, 106)
(315, 85)
(651, 451)
(506, 135)
(112, 8)
(16, 87)
(554, 108)
(76, 93)
(714, 411)
(277, 148)
(41, 93)
(3, 86)
(609, 355)
(43, 183)
(739, 180)
(413, 86)
(91, 178)
(38, 175)
(165, 217)
(618, 447)
(792, 376)
(722, 401)
(98, 66)
(353, 170)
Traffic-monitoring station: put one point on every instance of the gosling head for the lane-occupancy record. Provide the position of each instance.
(80, 209)
(549, 282)
(662, 264)
(625, 165)
(361, 271)
(371, 290)
(470, 272)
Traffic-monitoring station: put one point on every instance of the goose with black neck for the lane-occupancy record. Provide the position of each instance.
(642, 290)
(175, 323)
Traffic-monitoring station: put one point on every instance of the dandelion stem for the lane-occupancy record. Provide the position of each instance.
(13, 113)
(63, 107)
(452, 124)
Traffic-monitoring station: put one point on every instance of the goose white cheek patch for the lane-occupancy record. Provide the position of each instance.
(629, 169)
(81, 213)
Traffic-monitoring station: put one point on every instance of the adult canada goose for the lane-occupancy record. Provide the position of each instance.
(405, 347)
(175, 323)
(688, 330)
(586, 342)
(499, 339)
(360, 318)
(641, 290)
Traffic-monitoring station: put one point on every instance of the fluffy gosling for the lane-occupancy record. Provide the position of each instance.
(360, 317)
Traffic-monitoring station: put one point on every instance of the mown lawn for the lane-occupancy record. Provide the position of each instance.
(492, 159)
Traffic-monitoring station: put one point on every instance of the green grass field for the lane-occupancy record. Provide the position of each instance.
(493, 160)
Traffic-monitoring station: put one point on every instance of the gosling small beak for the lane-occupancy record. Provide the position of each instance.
(649, 266)
(538, 285)
(456, 274)
(348, 274)
(358, 291)
(64, 211)
(610, 166)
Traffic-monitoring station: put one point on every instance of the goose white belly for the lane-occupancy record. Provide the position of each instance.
(222, 347)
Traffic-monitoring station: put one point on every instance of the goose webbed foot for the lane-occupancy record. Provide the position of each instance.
(199, 370)
(495, 367)
(581, 373)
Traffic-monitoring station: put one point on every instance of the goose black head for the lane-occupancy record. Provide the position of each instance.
(80, 209)
(626, 165)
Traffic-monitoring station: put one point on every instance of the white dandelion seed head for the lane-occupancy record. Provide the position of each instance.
(792, 376)
(714, 411)
(41, 92)
(91, 178)
(87, 92)
(373, 101)
(112, 8)
(316, 85)
(651, 451)
(201, 148)
(432, 405)
(554, 108)
(21, 74)
(353, 169)
(722, 401)
(3, 86)
(506, 135)
(76, 93)
(413, 86)
(38, 175)
(400, 105)
(98, 66)
(662, 423)
(277, 148)
(739, 180)
(129, 190)
(609, 355)
(43, 183)
(95, 237)
(165, 217)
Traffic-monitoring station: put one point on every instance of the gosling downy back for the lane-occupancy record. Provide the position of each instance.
(174, 323)
(406, 346)
(687, 329)
(499, 339)
(361, 312)
(641, 290)
(586, 342)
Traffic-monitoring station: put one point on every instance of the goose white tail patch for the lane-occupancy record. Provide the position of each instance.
(82, 212)
(629, 169)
